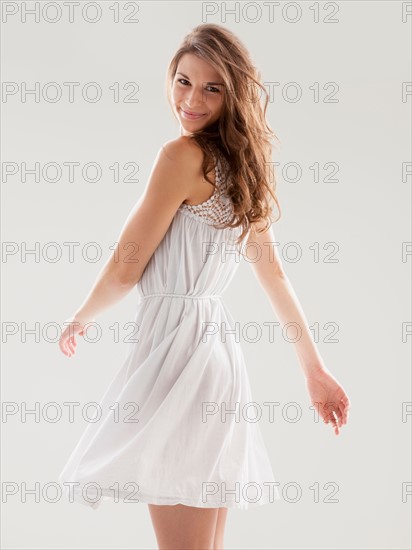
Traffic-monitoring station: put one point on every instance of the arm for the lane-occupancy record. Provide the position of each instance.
(267, 267)
(326, 394)
(170, 183)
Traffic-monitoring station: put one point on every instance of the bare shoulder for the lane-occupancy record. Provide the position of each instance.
(184, 152)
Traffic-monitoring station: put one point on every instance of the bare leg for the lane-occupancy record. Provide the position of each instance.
(220, 529)
(180, 527)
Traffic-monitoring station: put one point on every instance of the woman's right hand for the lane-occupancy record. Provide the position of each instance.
(74, 325)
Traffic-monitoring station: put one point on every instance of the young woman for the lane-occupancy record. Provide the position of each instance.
(186, 456)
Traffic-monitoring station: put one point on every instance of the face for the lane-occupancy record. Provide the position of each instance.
(197, 94)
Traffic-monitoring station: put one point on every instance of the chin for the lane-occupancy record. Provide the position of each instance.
(190, 128)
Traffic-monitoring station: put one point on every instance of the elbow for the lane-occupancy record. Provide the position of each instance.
(125, 279)
(269, 280)
(277, 272)
(127, 282)
(277, 276)
(122, 273)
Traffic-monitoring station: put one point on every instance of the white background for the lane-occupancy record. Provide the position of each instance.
(364, 56)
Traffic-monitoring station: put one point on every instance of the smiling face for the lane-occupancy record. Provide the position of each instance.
(197, 93)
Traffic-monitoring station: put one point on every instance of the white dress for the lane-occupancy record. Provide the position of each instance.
(181, 433)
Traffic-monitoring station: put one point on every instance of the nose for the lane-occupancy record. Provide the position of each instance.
(194, 97)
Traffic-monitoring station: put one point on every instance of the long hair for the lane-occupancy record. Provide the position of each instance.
(241, 135)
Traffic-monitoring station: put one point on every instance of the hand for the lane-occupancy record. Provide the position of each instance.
(329, 398)
(67, 341)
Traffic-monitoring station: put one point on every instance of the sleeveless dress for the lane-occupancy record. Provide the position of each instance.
(175, 427)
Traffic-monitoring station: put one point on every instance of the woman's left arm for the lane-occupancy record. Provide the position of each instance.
(325, 392)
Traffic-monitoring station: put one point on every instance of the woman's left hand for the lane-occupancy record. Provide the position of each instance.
(329, 398)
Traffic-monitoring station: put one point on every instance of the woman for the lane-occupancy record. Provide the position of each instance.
(207, 195)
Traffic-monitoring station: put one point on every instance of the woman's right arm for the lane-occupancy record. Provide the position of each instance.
(170, 183)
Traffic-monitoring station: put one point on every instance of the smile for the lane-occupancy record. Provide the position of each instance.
(190, 116)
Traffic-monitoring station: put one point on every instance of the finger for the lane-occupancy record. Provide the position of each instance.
(345, 401)
(63, 346)
(71, 347)
(333, 418)
(339, 419)
(328, 414)
(330, 407)
(335, 422)
(345, 413)
(342, 414)
(73, 344)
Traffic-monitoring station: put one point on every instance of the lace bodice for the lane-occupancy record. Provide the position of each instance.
(217, 208)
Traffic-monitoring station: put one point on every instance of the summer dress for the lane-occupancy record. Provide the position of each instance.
(181, 434)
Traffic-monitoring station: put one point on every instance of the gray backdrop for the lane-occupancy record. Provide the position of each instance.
(341, 105)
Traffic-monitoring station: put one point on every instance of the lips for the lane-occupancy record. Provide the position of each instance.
(191, 115)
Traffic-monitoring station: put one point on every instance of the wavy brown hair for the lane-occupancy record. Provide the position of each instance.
(241, 135)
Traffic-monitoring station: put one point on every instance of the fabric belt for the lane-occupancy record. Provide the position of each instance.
(192, 297)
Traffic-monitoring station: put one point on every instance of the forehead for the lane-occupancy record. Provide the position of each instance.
(196, 67)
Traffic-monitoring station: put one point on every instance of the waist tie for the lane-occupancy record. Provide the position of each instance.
(192, 297)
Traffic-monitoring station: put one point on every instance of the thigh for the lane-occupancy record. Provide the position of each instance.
(184, 527)
(220, 529)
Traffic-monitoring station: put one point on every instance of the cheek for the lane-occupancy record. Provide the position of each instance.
(217, 104)
(176, 93)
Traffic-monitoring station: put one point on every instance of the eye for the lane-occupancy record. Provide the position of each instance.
(211, 88)
(215, 90)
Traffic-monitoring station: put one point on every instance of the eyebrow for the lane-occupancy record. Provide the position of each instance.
(208, 83)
